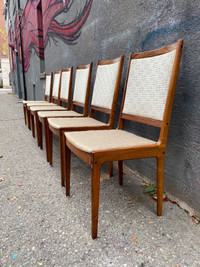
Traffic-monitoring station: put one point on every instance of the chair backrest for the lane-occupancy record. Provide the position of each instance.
(82, 87)
(56, 86)
(48, 87)
(106, 87)
(150, 87)
(66, 87)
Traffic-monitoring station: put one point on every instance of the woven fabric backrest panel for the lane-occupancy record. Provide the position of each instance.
(80, 86)
(104, 86)
(56, 81)
(65, 84)
(148, 85)
(47, 85)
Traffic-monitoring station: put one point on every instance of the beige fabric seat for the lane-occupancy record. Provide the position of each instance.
(32, 101)
(108, 139)
(38, 108)
(40, 104)
(59, 123)
(67, 113)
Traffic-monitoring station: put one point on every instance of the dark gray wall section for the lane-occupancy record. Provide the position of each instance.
(33, 82)
(120, 27)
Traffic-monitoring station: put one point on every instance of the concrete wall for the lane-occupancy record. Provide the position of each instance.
(112, 28)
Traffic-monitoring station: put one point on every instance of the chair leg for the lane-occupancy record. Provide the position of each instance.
(62, 167)
(120, 169)
(67, 166)
(32, 125)
(111, 168)
(46, 138)
(25, 120)
(95, 198)
(50, 146)
(40, 134)
(29, 118)
(39, 131)
(160, 176)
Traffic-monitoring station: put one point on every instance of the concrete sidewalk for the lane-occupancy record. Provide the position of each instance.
(5, 91)
(39, 226)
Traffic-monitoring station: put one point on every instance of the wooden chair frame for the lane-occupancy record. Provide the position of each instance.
(27, 111)
(157, 150)
(60, 132)
(34, 114)
(74, 105)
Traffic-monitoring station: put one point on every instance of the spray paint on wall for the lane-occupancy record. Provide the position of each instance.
(37, 38)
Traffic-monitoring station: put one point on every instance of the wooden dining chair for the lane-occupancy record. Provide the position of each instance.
(80, 99)
(104, 99)
(61, 92)
(148, 99)
(47, 99)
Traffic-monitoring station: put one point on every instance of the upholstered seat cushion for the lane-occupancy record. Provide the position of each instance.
(90, 141)
(58, 113)
(40, 104)
(32, 101)
(59, 123)
(40, 108)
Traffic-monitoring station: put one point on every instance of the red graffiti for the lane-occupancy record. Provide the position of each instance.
(39, 25)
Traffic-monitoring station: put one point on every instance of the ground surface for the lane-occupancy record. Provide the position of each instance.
(39, 226)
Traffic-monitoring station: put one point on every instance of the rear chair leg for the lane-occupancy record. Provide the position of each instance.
(160, 176)
(111, 168)
(120, 169)
(95, 180)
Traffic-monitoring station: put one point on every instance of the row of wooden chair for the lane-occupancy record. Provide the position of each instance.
(148, 99)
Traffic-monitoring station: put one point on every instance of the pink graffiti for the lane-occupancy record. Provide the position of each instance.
(39, 25)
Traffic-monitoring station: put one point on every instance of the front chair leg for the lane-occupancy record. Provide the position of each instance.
(46, 138)
(120, 169)
(50, 146)
(62, 147)
(67, 165)
(160, 176)
(25, 120)
(111, 168)
(39, 131)
(95, 177)
(28, 118)
(32, 125)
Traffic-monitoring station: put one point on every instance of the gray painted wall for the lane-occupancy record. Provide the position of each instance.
(120, 27)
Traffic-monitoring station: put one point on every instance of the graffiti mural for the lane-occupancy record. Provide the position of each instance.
(39, 25)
